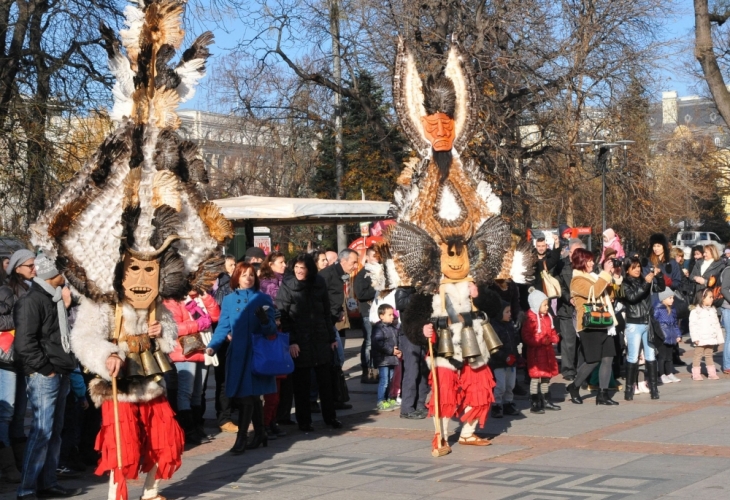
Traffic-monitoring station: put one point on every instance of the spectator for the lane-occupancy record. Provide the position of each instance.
(365, 294)
(510, 293)
(565, 233)
(597, 345)
(547, 258)
(666, 317)
(696, 255)
(725, 315)
(540, 335)
(611, 241)
(707, 270)
(193, 315)
(705, 331)
(568, 338)
(503, 361)
(414, 382)
(244, 314)
(660, 263)
(303, 301)
(13, 399)
(223, 405)
(331, 257)
(335, 277)
(225, 277)
(42, 346)
(254, 256)
(320, 259)
(386, 355)
(271, 276)
(637, 301)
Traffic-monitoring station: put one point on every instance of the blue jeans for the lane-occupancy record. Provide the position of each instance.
(189, 384)
(635, 336)
(7, 404)
(386, 375)
(726, 348)
(47, 396)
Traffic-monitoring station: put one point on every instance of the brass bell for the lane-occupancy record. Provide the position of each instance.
(149, 364)
(491, 338)
(469, 344)
(162, 361)
(445, 345)
(133, 367)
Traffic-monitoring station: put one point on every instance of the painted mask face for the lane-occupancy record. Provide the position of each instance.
(141, 281)
(454, 261)
(439, 130)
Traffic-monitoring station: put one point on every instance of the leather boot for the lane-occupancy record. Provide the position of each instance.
(198, 424)
(574, 394)
(546, 404)
(259, 429)
(603, 398)
(652, 369)
(535, 404)
(632, 375)
(245, 414)
(185, 419)
(7, 465)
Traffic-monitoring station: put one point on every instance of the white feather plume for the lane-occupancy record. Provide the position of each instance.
(123, 87)
(518, 272)
(494, 204)
(134, 19)
(190, 73)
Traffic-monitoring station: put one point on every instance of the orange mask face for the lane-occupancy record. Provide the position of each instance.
(440, 131)
(454, 261)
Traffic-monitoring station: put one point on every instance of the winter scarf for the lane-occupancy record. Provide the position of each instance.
(57, 297)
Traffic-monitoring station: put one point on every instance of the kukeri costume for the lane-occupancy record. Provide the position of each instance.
(132, 229)
(449, 233)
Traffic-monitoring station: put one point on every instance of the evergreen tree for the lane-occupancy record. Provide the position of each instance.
(368, 165)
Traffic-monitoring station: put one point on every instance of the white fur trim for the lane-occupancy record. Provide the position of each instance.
(137, 392)
(394, 279)
(519, 270)
(449, 208)
(441, 362)
(169, 329)
(90, 336)
(190, 73)
(376, 273)
(494, 204)
(123, 87)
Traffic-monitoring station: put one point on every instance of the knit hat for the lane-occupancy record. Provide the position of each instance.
(45, 267)
(609, 253)
(18, 258)
(665, 294)
(535, 299)
(561, 229)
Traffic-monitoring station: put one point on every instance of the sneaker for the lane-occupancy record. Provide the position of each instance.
(674, 378)
(64, 472)
(510, 409)
(385, 406)
(398, 400)
(394, 403)
(497, 411)
(666, 380)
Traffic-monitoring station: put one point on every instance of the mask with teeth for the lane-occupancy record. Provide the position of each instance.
(141, 281)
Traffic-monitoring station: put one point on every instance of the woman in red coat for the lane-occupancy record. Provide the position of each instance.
(539, 335)
(194, 315)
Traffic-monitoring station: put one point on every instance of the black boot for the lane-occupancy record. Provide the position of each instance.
(259, 429)
(632, 375)
(245, 414)
(574, 394)
(652, 372)
(603, 398)
(497, 411)
(547, 404)
(185, 419)
(198, 424)
(676, 359)
(536, 404)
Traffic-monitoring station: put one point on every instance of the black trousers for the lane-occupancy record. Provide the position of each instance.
(302, 380)
(414, 382)
(286, 399)
(568, 347)
(223, 405)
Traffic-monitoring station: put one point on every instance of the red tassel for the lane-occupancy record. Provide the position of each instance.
(121, 482)
(436, 441)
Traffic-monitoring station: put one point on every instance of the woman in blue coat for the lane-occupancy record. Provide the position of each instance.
(244, 313)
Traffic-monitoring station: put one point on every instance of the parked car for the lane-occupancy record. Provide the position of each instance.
(688, 239)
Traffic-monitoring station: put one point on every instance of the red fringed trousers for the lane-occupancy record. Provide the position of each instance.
(468, 388)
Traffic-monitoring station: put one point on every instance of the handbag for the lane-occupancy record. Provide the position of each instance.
(191, 344)
(595, 313)
(550, 285)
(7, 350)
(271, 355)
(341, 392)
(657, 334)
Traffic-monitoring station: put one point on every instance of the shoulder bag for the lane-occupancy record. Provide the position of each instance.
(595, 313)
(271, 355)
(550, 285)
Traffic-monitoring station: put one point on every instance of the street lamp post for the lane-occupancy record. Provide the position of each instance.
(601, 150)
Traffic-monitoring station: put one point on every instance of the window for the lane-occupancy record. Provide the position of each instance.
(704, 237)
(687, 236)
(714, 237)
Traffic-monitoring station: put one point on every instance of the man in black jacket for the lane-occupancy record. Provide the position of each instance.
(42, 346)
(335, 276)
(365, 294)
(548, 256)
(568, 337)
(414, 380)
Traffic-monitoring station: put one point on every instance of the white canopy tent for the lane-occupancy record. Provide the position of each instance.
(272, 211)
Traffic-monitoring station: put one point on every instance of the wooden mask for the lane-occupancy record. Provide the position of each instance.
(454, 260)
(141, 281)
(440, 131)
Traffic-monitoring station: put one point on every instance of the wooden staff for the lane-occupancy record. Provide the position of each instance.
(439, 451)
(117, 428)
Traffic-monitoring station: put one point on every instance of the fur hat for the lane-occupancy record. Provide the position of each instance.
(609, 253)
(535, 299)
(665, 294)
(659, 238)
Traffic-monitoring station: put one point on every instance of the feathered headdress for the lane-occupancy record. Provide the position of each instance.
(142, 188)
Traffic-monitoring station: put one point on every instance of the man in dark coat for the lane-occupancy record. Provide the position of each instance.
(548, 256)
(365, 294)
(568, 337)
(42, 346)
(414, 381)
(335, 277)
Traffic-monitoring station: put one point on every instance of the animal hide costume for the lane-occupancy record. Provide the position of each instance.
(131, 229)
(449, 233)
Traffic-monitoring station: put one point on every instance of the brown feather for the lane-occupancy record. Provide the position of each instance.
(208, 271)
(131, 188)
(220, 228)
(199, 49)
